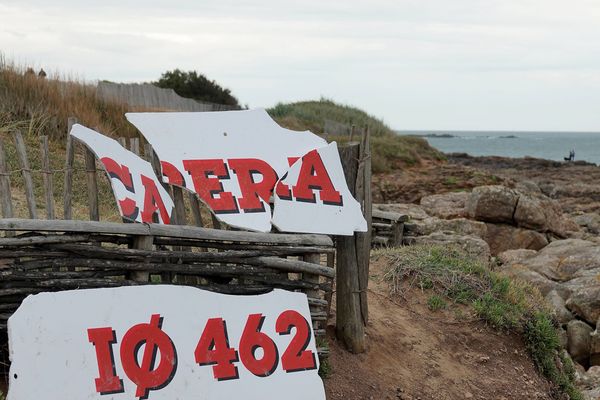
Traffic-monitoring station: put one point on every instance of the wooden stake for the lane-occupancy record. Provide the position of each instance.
(70, 157)
(92, 184)
(47, 175)
(5, 192)
(26, 171)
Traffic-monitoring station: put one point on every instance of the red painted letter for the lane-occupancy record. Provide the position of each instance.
(120, 172)
(107, 382)
(252, 191)
(314, 176)
(153, 202)
(207, 187)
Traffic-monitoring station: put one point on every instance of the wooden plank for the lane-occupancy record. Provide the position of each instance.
(349, 321)
(5, 191)
(313, 258)
(38, 240)
(26, 171)
(142, 243)
(69, 160)
(397, 234)
(47, 176)
(134, 145)
(363, 239)
(92, 185)
(196, 209)
(173, 231)
(181, 217)
(391, 216)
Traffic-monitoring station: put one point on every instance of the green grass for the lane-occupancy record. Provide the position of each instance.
(436, 302)
(389, 150)
(504, 304)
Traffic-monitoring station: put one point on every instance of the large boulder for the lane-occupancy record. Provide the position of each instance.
(559, 309)
(525, 208)
(492, 204)
(578, 333)
(447, 205)
(585, 302)
(515, 256)
(589, 221)
(459, 226)
(474, 246)
(501, 237)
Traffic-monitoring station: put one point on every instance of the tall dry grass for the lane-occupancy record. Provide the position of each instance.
(43, 105)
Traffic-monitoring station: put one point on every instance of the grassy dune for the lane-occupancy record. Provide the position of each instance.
(390, 151)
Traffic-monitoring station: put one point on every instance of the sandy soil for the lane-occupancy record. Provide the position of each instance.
(418, 354)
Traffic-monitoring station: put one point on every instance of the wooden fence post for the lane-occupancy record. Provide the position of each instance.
(349, 320)
(363, 239)
(5, 193)
(70, 157)
(92, 184)
(47, 175)
(26, 171)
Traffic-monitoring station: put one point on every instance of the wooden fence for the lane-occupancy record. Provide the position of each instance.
(57, 254)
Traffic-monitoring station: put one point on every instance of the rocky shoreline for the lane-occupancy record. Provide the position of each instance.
(537, 222)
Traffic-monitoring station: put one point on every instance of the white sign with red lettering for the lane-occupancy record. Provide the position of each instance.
(154, 342)
(237, 161)
(139, 194)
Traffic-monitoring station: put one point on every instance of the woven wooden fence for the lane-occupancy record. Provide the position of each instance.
(39, 255)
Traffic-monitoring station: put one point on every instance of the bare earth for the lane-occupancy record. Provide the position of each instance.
(418, 354)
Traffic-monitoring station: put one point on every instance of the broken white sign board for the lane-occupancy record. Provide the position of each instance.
(163, 342)
(139, 194)
(234, 161)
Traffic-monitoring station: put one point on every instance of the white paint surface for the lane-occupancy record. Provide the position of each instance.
(52, 358)
(179, 138)
(296, 216)
(103, 147)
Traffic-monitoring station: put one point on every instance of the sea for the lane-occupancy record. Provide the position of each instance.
(547, 145)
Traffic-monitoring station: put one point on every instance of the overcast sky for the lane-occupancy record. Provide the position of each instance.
(417, 64)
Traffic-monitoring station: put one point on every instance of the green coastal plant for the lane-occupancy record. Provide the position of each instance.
(502, 303)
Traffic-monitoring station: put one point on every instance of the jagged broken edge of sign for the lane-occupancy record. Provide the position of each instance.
(135, 167)
(251, 133)
(341, 218)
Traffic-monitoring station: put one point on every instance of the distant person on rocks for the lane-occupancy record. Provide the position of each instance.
(571, 156)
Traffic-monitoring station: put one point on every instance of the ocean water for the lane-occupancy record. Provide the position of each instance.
(548, 145)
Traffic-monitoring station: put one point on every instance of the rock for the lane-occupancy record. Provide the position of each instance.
(563, 338)
(413, 211)
(502, 237)
(542, 214)
(592, 394)
(529, 213)
(459, 226)
(589, 221)
(558, 307)
(514, 256)
(585, 302)
(591, 378)
(595, 346)
(578, 333)
(528, 187)
(447, 205)
(492, 204)
(474, 246)
(521, 272)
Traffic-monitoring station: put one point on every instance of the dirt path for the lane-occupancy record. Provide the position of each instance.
(417, 354)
